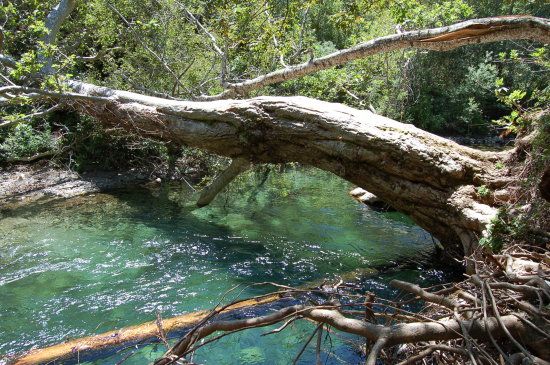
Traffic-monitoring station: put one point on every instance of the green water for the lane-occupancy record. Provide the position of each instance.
(91, 264)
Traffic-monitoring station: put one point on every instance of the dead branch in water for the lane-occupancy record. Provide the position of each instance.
(497, 316)
(482, 320)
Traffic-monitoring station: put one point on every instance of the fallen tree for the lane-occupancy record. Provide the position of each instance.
(431, 179)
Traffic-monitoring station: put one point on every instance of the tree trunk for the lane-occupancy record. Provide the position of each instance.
(430, 178)
(87, 347)
(208, 194)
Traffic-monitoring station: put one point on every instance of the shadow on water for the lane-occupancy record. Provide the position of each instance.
(87, 265)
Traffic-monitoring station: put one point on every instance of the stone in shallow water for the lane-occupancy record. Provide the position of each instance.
(370, 199)
(357, 192)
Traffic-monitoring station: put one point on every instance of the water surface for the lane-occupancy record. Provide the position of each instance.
(91, 264)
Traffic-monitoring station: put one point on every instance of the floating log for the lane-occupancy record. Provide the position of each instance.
(78, 348)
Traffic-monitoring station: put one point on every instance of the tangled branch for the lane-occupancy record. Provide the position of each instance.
(498, 315)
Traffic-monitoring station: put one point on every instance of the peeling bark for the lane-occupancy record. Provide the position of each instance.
(473, 31)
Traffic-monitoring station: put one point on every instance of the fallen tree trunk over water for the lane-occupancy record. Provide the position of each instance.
(432, 179)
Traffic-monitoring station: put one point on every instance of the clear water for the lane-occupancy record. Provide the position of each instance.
(91, 264)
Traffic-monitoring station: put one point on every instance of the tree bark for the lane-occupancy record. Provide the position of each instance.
(86, 347)
(430, 178)
(473, 31)
(427, 177)
(54, 20)
(208, 194)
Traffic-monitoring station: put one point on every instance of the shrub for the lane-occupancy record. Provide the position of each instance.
(25, 141)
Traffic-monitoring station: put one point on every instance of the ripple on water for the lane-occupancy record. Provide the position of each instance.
(92, 264)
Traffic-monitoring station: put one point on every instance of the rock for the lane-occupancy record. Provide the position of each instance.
(370, 199)
(357, 192)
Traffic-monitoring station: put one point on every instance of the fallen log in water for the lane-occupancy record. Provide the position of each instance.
(81, 347)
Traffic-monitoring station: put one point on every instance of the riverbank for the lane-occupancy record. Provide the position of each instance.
(24, 184)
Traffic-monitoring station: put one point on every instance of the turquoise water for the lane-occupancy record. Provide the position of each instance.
(91, 264)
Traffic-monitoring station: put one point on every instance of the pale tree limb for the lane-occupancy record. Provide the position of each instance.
(376, 349)
(7, 61)
(53, 23)
(365, 149)
(423, 294)
(474, 31)
(237, 166)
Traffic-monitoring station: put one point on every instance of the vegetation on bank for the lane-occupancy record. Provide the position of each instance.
(177, 49)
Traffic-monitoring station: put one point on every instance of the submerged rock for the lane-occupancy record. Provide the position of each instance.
(252, 355)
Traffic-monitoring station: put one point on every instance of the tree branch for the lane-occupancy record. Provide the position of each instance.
(236, 167)
(440, 39)
(54, 20)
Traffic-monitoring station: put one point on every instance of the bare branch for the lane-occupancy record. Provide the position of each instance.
(236, 167)
(439, 39)
(427, 296)
(54, 20)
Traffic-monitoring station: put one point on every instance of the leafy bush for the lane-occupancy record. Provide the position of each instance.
(25, 141)
(503, 228)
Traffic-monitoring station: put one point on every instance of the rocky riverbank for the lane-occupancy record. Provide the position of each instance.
(27, 183)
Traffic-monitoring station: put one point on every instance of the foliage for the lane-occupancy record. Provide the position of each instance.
(25, 141)
(483, 191)
(153, 47)
(503, 228)
(521, 102)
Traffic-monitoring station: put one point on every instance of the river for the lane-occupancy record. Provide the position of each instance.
(90, 264)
